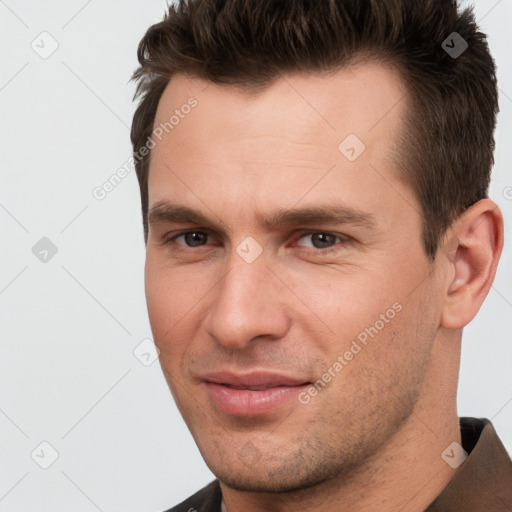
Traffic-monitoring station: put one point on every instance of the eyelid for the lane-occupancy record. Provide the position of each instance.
(296, 237)
(343, 238)
(306, 232)
(167, 239)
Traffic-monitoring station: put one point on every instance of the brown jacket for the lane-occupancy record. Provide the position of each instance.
(483, 483)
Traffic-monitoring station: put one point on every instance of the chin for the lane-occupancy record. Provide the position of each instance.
(268, 475)
(257, 483)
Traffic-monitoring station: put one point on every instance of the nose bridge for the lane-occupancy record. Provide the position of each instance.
(247, 303)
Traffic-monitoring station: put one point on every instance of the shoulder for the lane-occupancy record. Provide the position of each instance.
(483, 479)
(208, 499)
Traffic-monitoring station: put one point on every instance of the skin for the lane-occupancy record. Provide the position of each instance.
(387, 416)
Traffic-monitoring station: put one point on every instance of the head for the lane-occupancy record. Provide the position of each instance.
(317, 151)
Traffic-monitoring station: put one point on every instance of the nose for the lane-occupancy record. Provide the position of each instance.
(248, 304)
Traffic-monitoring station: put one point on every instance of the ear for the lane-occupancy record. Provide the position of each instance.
(472, 250)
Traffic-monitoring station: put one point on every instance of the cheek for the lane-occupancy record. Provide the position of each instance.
(374, 323)
(349, 305)
(167, 303)
(177, 301)
(159, 301)
(398, 340)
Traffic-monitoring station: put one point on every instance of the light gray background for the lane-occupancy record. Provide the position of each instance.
(69, 326)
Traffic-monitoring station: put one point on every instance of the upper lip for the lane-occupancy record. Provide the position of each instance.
(253, 379)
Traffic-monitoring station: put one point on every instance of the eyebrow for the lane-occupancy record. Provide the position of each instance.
(165, 212)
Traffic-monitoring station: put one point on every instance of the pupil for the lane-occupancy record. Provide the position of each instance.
(195, 238)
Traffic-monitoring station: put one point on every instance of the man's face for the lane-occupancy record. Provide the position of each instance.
(244, 336)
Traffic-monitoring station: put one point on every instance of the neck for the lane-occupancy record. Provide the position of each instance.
(406, 474)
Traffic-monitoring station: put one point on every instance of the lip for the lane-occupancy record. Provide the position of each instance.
(230, 393)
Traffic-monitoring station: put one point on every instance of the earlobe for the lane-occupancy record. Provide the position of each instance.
(472, 255)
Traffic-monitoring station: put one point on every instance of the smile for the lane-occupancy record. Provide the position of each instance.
(253, 394)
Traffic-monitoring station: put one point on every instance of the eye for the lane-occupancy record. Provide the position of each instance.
(321, 240)
(191, 238)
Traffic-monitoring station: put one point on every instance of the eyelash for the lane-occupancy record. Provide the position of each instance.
(343, 239)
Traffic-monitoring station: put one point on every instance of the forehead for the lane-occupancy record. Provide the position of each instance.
(366, 99)
(271, 147)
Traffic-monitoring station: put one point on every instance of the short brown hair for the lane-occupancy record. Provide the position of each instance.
(447, 142)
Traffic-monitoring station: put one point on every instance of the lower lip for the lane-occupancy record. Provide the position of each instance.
(244, 402)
